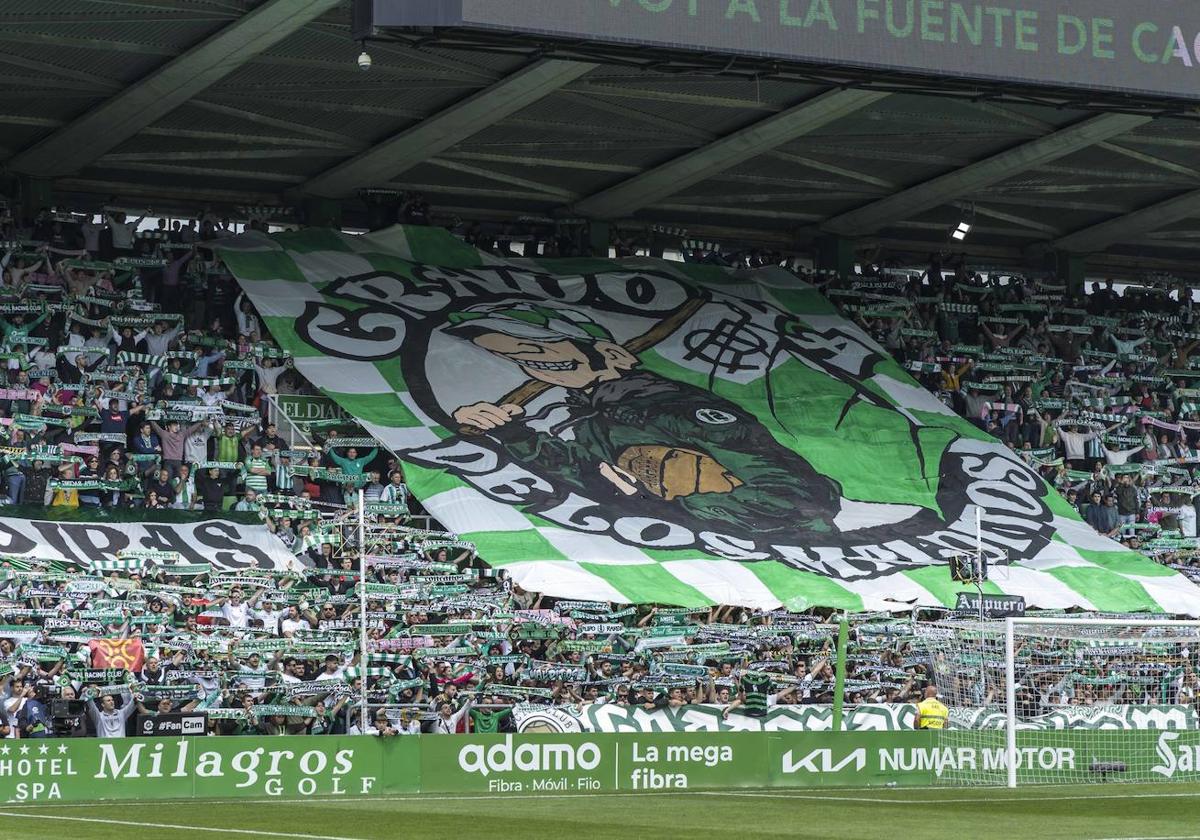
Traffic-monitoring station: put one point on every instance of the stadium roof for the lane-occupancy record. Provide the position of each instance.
(233, 102)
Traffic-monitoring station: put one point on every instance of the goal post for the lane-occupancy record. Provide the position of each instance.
(1111, 681)
(1058, 700)
(1010, 700)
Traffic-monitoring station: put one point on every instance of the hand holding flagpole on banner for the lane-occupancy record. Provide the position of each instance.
(511, 405)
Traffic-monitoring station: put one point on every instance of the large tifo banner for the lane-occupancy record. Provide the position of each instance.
(339, 767)
(647, 431)
(94, 544)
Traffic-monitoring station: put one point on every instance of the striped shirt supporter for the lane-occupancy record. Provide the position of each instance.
(257, 483)
(393, 494)
(227, 447)
(757, 689)
(284, 476)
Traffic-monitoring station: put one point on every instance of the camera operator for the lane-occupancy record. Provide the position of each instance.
(68, 714)
(34, 718)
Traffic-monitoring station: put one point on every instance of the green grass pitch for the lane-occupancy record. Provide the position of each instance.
(1093, 812)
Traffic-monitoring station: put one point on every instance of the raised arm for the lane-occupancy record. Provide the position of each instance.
(368, 458)
(344, 463)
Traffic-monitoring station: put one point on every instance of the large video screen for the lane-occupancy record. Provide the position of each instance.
(1130, 46)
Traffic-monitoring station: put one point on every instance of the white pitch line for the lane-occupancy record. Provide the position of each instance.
(782, 795)
(248, 831)
(1172, 837)
(953, 800)
(355, 801)
(257, 833)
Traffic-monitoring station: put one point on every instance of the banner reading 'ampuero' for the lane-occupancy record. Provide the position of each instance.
(646, 431)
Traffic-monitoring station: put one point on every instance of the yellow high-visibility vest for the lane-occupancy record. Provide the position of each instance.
(932, 714)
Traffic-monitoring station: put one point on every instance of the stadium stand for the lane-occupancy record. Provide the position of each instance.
(139, 379)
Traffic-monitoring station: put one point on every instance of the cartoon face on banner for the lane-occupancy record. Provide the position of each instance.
(637, 406)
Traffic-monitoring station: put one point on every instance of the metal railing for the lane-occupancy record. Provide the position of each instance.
(288, 430)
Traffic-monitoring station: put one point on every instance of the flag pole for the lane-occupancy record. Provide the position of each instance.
(362, 608)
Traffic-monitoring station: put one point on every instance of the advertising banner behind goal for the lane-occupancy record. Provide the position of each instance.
(648, 431)
(340, 767)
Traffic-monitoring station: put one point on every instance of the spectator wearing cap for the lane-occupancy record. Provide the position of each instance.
(448, 721)
(64, 496)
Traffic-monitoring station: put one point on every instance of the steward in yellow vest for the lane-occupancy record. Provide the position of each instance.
(931, 712)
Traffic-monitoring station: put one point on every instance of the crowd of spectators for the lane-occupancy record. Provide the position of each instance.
(138, 377)
(1098, 391)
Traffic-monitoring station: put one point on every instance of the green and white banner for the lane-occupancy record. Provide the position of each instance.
(1083, 717)
(104, 544)
(648, 431)
(865, 717)
(613, 717)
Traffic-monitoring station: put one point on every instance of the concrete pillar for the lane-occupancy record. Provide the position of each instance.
(598, 238)
(35, 193)
(322, 212)
(834, 253)
(1072, 270)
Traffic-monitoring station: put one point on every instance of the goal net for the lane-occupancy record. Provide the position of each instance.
(1067, 700)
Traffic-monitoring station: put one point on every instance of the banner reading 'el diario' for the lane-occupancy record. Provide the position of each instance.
(647, 431)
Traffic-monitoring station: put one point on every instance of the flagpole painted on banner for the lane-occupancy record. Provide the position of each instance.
(979, 541)
(362, 608)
